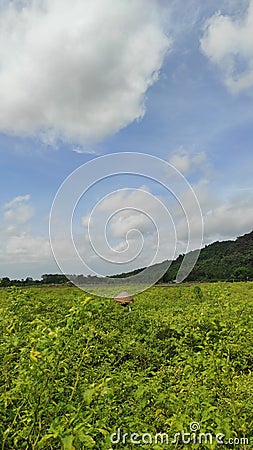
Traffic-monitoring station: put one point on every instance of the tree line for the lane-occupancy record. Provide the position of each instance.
(219, 261)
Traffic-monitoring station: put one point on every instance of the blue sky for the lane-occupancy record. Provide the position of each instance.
(83, 80)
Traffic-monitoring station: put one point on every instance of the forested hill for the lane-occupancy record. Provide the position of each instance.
(226, 260)
(219, 261)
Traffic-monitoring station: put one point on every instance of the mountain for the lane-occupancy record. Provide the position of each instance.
(225, 260)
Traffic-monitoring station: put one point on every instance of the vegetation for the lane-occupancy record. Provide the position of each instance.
(77, 368)
(227, 260)
(29, 281)
(219, 261)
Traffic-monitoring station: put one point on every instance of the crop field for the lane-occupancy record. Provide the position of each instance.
(82, 372)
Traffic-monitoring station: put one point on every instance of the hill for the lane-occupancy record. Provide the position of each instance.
(221, 260)
(226, 260)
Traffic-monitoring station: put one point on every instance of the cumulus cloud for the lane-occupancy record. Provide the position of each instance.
(131, 209)
(229, 219)
(224, 218)
(25, 247)
(18, 210)
(87, 220)
(130, 220)
(18, 243)
(124, 198)
(228, 42)
(77, 70)
(130, 227)
(187, 161)
(81, 150)
(18, 199)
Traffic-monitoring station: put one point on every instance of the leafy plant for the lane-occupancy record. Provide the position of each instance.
(76, 368)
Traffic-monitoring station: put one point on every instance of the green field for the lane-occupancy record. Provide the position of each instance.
(76, 368)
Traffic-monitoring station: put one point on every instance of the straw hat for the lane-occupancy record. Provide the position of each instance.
(124, 297)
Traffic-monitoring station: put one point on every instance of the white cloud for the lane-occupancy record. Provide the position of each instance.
(20, 214)
(87, 220)
(229, 219)
(124, 198)
(126, 220)
(181, 161)
(187, 161)
(18, 210)
(228, 42)
(18, 199)
(19, 244)
(77, 70)
(25, 247)
(82, 150)
(224, 216)
(126, 228)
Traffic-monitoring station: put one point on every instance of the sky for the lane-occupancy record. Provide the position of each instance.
(83, 80)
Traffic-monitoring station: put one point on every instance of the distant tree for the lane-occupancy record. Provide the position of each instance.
(5, 282)
(29, 280)
(242, 273)
(54, 278)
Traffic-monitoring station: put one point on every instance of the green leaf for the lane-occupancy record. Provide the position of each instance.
(68, 442)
